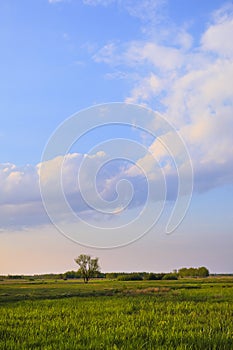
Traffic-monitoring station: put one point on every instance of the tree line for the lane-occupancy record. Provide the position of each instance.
(89, 268)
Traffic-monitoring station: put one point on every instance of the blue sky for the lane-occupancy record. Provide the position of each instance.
(61, 56)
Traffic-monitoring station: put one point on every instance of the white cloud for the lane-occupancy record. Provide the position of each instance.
(146, 88)
(183, 39)
(193, 86)
(139, 53)
(216, 38)
(21, 202)
(161, 57)
(106, 54)
(18, 184)
(144, 10)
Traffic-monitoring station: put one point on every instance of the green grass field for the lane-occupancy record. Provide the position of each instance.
(104, 314)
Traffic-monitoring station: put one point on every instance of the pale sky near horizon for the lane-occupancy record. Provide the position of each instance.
(62, 56)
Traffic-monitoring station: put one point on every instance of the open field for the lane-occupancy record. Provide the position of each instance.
(105, 314)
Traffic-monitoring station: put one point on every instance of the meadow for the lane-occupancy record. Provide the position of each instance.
(110, 314)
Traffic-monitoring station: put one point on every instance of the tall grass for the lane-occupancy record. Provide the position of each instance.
(137, 315)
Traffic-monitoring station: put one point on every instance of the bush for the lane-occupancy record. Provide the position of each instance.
(71, 275)
(15, 277)
(130, 277)
(111, 275)
(170, 276)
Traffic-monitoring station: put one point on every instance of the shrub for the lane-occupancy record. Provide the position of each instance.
(170, 276)
(130, 277)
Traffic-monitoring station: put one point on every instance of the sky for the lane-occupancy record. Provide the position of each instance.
(116, 117)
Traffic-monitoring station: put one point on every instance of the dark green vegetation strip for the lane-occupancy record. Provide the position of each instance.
(117, 315)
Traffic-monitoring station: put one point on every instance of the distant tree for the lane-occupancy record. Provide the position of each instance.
(194, 272)
(152, 276)
(170, 276)
(203, 271)
(183, 272)
(111, 275)
(15, 277)
(130, 277)
(88, 267)
(71, 275)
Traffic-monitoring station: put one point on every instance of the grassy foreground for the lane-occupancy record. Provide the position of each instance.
(183, 314)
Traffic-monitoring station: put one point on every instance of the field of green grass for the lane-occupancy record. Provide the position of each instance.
(105, 314)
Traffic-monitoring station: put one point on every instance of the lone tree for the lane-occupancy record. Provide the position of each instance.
(88, 267)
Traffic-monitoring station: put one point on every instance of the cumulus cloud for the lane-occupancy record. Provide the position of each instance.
(215, 37)
(119, 183)
(162, 57)
(192, 86)
(18, 184)
(147, 87)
